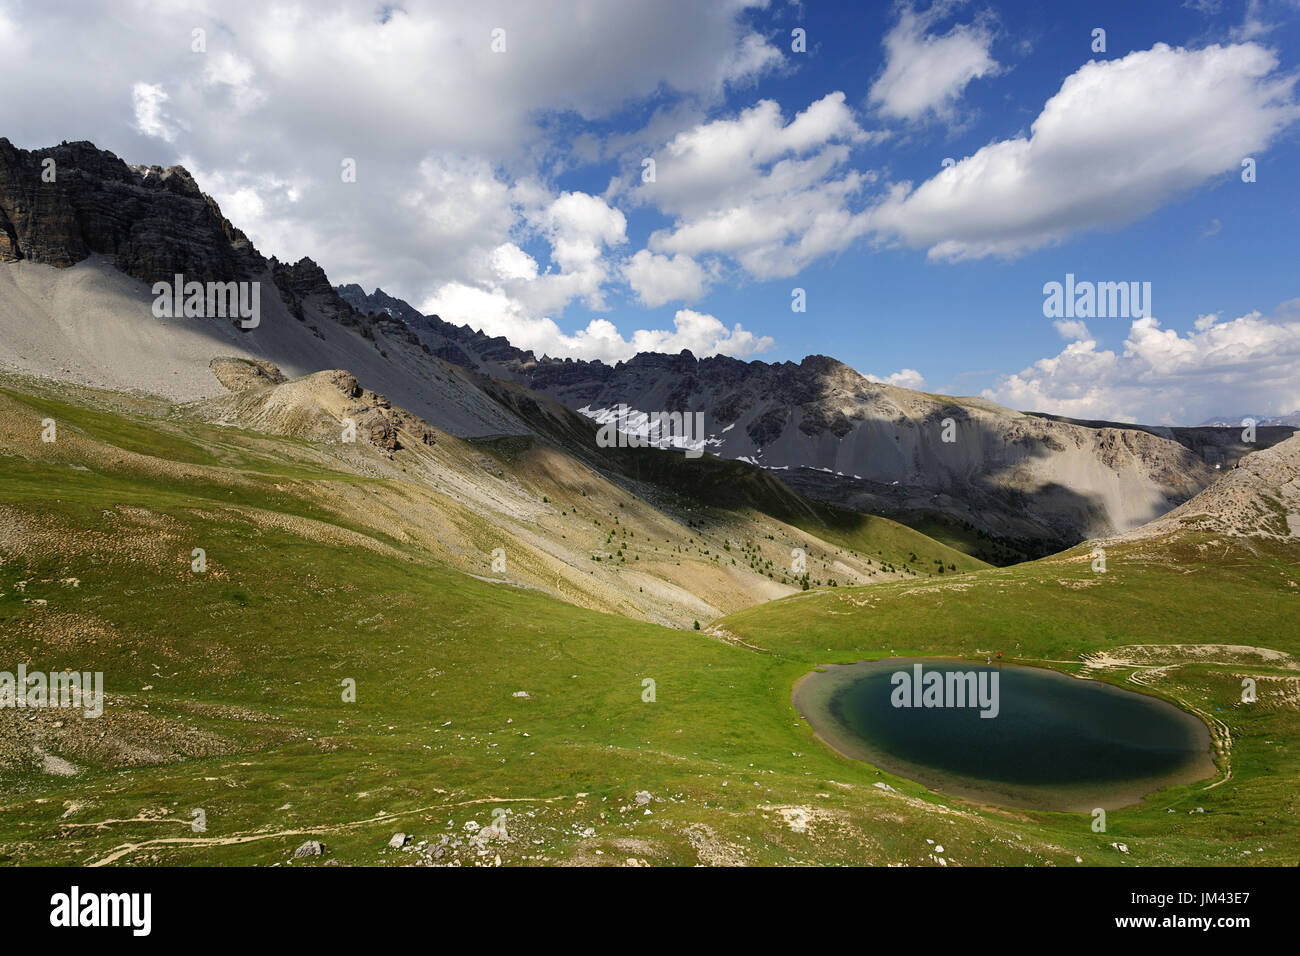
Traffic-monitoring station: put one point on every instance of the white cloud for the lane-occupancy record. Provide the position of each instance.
(904, 378)
(579, 229)
(147, 100)
(1119, 139)
(1253, 26)
(460, 200)
(489, 310)
(9, 35)
(251, 200)
(703, 334)
(1163, 377)
(511, 262)
(284, 92)
(657, 280)
(926, 73)
(494, 312)
(1072, 329)
(505, 294)
(771, 195)
(721, 163)
(236, 74)
(579, 223)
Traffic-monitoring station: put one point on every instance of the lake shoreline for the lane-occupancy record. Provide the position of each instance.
(817, 694)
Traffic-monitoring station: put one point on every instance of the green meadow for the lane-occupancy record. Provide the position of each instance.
(230, 691)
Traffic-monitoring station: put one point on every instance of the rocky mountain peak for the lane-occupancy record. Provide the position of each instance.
(175, 178)
(62, 204)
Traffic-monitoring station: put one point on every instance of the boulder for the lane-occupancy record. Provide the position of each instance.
(310, 848)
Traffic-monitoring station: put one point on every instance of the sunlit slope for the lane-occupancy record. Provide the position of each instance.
(736, 486)
(686, 543)
(550, 523)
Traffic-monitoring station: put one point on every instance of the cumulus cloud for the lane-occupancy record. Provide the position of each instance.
(147, 100)
(412, 92)
(773, 196)
(504, 293)
(579, 228)
(925, 73)
(1072, 329)
(1121, 138)
(904, 378)
(704, 335)
(510, 262)
(657, 280)
(1163, 377)
(235, 75)
(495, 312)
(501, 283)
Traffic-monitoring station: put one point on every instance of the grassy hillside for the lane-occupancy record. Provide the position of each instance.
(730, 485)
(225, 688)
(964, 537)
(577, 529)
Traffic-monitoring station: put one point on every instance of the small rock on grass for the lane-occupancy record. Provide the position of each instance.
(310, 848)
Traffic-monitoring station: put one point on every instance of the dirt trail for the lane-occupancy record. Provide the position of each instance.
(126, 849)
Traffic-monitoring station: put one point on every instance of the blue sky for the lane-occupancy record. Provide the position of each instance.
(500, 183)
(880, 310)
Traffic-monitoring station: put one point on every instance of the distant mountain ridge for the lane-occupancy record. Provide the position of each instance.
(1037, 482)
(1235, 421)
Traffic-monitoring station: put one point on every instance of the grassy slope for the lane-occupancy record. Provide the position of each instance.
(243, 717)
(962, 537)
(729, 484)
(874, 535)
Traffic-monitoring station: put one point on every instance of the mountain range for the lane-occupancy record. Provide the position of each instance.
(1001, 483)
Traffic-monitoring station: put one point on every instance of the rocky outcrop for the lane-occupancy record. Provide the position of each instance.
(241, 374)
(379, 302)
(304, 283)
(328, 406)
(61, 204)
(1259, 497)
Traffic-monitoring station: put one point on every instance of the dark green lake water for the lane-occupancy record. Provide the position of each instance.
(1057, 742)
